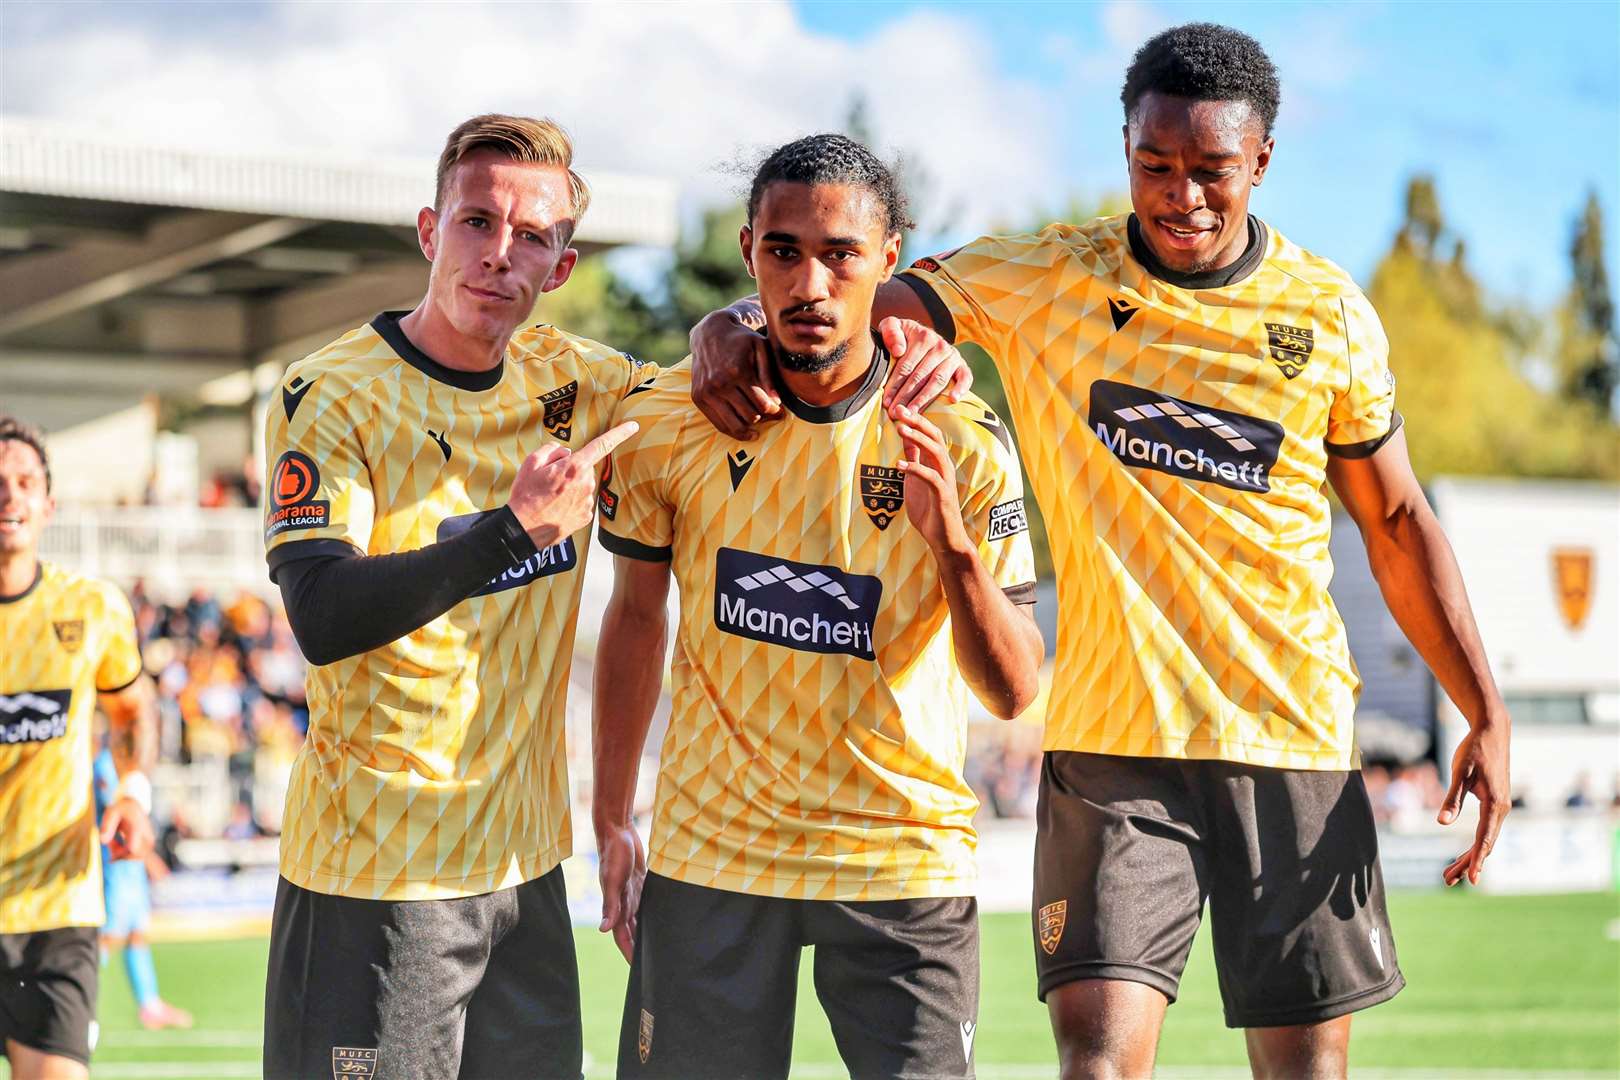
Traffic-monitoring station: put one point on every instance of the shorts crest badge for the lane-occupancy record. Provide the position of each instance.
(1049, 924)
(70, 632)
(644, 1036)
(351, 1062)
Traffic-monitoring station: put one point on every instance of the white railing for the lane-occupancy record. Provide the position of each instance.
(173, 549)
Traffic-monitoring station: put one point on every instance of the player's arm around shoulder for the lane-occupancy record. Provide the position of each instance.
(952, 482)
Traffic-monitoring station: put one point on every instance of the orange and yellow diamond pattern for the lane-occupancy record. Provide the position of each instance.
(1181, 472)
(434, 766)
(818, 735)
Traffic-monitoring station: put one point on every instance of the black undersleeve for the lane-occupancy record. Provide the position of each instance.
(341, 603)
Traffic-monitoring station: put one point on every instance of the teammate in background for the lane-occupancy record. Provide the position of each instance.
(128, 898)
(843, 581)
(1185, 382)
(67, 644)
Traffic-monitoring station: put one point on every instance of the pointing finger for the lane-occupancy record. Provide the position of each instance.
(605, 443)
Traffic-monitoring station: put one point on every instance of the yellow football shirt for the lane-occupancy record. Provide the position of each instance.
(1177, 438)
(62, 642)
(816, 742)
(434, 765)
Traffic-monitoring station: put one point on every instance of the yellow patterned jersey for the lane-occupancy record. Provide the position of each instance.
(63, 641)
(434, 765)
(1177, 430)
(816, 742)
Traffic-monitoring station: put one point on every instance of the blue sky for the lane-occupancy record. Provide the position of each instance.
(1007, 108)
(1514, 108)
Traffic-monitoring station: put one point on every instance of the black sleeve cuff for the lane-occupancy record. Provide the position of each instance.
(519, 546)
(1021, 594)
(634, 549)
(1365, 449)
(133, 679)
(944, 324)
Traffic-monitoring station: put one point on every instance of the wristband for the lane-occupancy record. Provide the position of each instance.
(135, 786)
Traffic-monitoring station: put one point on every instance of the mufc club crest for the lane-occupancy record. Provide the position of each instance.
(1572, 583)
(1049, 924)
(70, 632)
(644, 1036)
(558, 406)
(353, 1063)
(883, 493)
(1290, 347)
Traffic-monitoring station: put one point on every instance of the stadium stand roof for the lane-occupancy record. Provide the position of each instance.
(130, 270)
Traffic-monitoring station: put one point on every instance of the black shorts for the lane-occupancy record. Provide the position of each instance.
(1128, 849)
(48, 985)
(478, 987)
(716, 973)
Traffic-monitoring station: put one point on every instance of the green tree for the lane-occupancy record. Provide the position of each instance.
(708, 271)
(1589, 352)
(597, 304)
(1459, 363)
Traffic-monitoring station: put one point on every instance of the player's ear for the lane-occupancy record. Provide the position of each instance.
(745, 237)
(560, 272)
(891, 255)
(1262, 160)
(427, 226)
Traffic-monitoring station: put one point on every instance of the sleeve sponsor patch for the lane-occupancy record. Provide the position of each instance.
(606, 498)
(931, 263)
(1007, 519)
(293, 483)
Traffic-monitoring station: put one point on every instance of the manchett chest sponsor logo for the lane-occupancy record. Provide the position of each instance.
(798, 605)
(1151, 430)
(556, 559)
(34, 716)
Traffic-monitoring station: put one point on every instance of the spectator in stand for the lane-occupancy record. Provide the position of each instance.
(231, 679)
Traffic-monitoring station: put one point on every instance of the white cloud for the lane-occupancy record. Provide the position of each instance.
(1128, 23)
(670, 90)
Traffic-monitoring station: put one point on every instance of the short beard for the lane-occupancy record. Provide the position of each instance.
(812, 363)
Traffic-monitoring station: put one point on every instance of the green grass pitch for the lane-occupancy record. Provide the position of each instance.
(1497, 986)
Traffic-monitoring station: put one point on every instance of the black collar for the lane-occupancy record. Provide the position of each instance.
(39, 575)
(838, 410)
(1205, 279)
(387, 326)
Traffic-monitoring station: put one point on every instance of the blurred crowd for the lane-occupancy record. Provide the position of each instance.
(230, 685)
